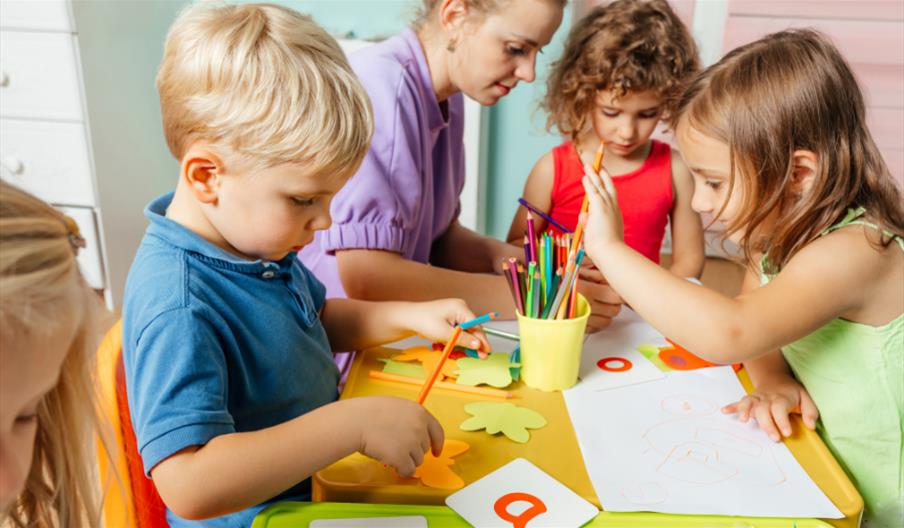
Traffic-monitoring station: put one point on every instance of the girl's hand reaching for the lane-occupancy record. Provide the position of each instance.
(604, 221)
(436, 320)
(772, 403)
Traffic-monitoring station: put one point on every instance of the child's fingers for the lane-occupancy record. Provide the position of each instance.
(436, 434)
(808, 410)
(475, 339)
(764, 419)
(742, 408)
(405, 466)
(780, 411)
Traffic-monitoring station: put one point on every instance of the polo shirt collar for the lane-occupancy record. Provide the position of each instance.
(181, 237)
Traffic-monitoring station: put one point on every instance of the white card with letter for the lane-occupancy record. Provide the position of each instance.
(521, 494)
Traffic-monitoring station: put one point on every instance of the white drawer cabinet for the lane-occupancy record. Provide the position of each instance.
(79, 119)
(49, 159)
(39, 76)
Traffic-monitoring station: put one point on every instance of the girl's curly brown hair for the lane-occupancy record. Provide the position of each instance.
(628, 46)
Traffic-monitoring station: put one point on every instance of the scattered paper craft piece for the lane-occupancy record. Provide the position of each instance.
(403, 369)
(622, 368)
(436, 472)
(493, 371)
(409, 521)
(495, 417)
(520, 494)
(428, 359)
(673, 451)
(651, 352)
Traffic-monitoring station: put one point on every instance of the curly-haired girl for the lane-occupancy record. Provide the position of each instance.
(618, 77)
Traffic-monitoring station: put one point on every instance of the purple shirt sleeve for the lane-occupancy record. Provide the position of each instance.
(379, 206)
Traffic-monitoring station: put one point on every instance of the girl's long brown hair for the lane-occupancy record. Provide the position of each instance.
(791, 91)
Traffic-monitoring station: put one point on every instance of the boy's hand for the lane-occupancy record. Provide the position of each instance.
(771, 404)
(436, 320)
(396, 432)
(604, 221)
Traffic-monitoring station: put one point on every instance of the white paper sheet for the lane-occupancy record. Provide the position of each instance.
(665, 446)
(620, 340)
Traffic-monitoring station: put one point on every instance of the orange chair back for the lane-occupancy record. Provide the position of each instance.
(131, 500)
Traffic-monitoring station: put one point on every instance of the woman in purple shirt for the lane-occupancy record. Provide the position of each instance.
(395, 232)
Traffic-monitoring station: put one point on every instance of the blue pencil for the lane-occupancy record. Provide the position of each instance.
(479, 320)
(544, 216)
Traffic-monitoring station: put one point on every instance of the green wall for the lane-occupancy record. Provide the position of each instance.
(517, 137)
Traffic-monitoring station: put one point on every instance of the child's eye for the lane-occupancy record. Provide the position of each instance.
(649, 115)
(303, 202)
(714, 185)
(515, 51)
(25, 420)
(609, 113)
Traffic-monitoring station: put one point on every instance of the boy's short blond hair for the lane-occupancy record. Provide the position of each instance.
(265, 82)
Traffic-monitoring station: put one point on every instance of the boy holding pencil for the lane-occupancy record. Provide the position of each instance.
(227, 337)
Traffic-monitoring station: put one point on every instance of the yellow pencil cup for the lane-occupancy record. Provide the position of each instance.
(551, 349)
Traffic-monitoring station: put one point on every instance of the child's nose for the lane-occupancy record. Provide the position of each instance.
(700, 203)
(12, 476)
(321, 221)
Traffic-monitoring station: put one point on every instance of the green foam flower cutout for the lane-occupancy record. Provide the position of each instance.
(494, 370)
(511, 420)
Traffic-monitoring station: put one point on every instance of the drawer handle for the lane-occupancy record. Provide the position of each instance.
(13, 165)
(4, 79)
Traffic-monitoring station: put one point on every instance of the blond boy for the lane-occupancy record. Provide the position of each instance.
(227, 337)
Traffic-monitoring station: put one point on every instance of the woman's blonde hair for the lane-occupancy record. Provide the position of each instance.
(478, 9)
(791, 91)
(265, 82)
(42, 291)
(625, 46)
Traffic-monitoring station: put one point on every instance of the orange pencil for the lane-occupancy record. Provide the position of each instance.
(482, 391)
(585, 205)
(428, 384)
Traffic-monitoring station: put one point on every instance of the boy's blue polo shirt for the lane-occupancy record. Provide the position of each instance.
(214, 344)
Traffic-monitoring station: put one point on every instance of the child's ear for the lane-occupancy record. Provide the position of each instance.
(202, 170)
(806, 167)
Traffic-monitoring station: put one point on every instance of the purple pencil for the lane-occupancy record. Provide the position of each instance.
(544, 216)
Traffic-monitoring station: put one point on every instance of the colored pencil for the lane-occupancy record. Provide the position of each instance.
(483, 391)
(477, 321)
(531, 238)
(543, 215)
(551, 297)
(507, 273)
(526, 249)
(431, 379)
(535, 307)
(502, 334)
(597, 164)
(513, 276)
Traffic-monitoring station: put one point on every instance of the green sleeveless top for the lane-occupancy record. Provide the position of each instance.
(855, 375)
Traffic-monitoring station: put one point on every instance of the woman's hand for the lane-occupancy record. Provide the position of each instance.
(604, 225)
(436, 320)
(772, 403)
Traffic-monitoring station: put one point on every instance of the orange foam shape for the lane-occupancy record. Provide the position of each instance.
(436, 472)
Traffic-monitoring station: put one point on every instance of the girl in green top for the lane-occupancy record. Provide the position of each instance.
(776, 139)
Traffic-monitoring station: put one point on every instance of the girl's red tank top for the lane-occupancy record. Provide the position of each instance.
(644, 196)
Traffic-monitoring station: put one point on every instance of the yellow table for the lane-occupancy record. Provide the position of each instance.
(553, 448)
